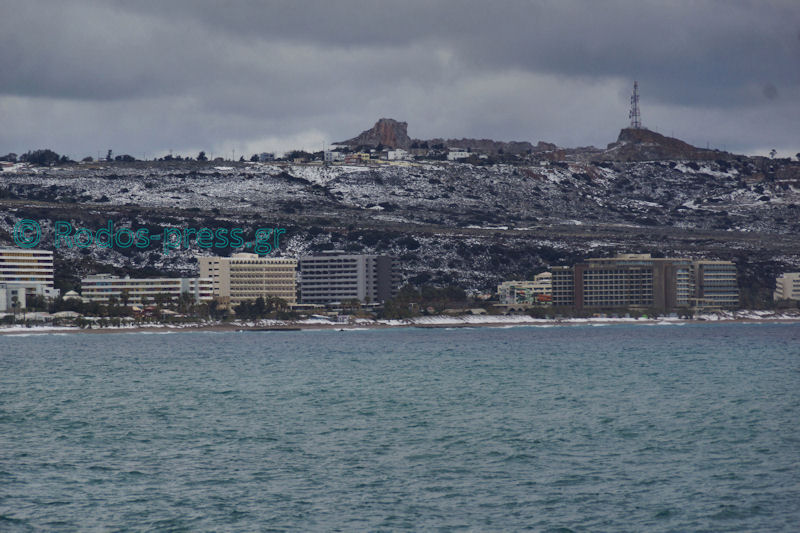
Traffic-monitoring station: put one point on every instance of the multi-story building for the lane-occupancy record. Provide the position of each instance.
(243, 277)
(102, 287)
(716, 285)
(335, 276)
(25, 273)
(787, 287)
(645, 282)
(563, 286)
(16, 296)
(539, 290)
(18, 265)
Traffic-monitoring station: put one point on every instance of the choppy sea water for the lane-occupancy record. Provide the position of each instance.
(616, 428)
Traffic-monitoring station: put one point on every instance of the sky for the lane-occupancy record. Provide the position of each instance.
(239, 77)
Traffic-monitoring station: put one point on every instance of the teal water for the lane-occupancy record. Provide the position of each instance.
(616, 428)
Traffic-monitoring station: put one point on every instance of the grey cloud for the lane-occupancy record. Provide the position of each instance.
(202, 73)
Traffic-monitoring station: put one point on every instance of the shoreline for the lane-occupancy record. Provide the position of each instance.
(437, 322)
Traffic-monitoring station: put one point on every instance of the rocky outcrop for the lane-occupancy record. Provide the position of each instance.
(640, 144)
(386, 132)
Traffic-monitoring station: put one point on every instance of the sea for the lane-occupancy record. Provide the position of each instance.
(613, 428)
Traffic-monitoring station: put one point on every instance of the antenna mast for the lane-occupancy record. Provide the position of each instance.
(633, 114)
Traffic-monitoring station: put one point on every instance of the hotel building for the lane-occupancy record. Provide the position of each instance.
(716, 285)
(18, 265)
(243, 277)
(335, 276)
(102, 287)
(24, 273)
(644, 282)
(787, 287)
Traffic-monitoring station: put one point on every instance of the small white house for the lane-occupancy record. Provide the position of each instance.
(453, 155)
(397, 155)
(331, 156)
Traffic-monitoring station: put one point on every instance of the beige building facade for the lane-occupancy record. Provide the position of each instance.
(243, 277)
(787, 287)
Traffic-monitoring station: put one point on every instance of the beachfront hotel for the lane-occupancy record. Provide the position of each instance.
(18, 265)
(24, 273)
(644, 282)
(716, 285)
(102, 287)
(787, 287)
(335, 276)
(243, 277)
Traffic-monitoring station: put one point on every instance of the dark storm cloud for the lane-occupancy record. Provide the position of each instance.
(210, 74)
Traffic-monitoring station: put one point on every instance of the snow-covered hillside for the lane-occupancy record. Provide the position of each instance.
(449, 222)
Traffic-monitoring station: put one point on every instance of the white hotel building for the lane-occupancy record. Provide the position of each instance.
(101, 287)
(24, 273)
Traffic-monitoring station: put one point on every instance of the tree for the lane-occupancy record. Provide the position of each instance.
(254, 158)
(108, 155)
(773, 153)
(202, 156)
(259, 307)
(88, 159)
(43, 157)
(186, 303)
(11, 157)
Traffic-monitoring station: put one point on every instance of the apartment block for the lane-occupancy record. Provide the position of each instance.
(102, 287)
(787, 287)
(335, 276)
(243, 277)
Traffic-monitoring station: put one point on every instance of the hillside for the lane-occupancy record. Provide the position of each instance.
(449, 223)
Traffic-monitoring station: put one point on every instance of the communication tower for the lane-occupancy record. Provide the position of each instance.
(633, 114)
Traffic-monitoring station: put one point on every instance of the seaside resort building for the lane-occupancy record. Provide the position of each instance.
(24, 273)
(644, 282)
(243, 277)
(787, 287)
(102, 287)
(335, 276)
